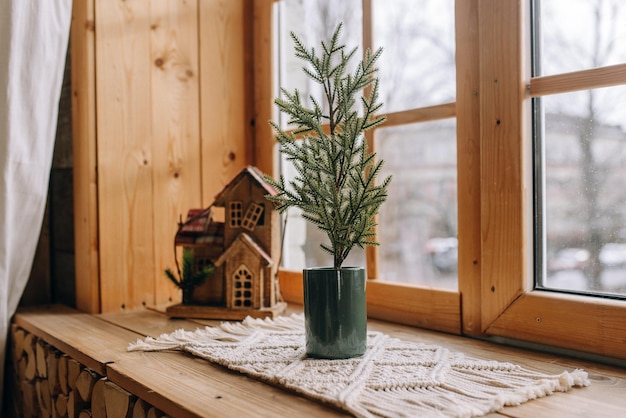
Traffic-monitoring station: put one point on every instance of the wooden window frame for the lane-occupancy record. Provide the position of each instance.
(492, 110)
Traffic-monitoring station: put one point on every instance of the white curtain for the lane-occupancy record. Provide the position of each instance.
(33, 43)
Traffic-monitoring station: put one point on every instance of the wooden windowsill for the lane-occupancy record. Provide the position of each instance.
(183, 386)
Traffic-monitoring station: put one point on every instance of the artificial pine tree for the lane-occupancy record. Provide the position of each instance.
(189, 277)
(335, 186)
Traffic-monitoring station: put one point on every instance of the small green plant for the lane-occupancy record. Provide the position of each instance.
(335, 186)
(188, 279)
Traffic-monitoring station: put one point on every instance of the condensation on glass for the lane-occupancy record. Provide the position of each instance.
(417, 38)
(581, 137)
(418, 224)
(580, 34)
(312, 21)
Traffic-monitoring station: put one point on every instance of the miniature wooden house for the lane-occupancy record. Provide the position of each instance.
(244, 248)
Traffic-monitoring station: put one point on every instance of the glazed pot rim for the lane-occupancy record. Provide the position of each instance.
(349, 268)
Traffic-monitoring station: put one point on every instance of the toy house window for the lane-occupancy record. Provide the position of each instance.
(261, 220)
(253, 216)
(236, 214)
(242, 287)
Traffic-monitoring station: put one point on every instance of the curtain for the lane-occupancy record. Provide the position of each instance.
(33, 43)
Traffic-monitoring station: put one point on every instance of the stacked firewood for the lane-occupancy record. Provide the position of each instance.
(49, 383)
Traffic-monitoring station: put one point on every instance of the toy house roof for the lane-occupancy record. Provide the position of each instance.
(255, 174)
(248, 242)
(200, 228)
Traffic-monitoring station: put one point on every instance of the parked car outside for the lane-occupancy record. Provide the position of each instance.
(613, 255)
(569, 259)
(443, 254)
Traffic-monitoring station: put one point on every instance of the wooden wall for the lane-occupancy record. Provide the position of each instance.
(163, 118)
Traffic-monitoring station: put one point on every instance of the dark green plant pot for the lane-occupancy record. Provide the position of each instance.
(335, 312)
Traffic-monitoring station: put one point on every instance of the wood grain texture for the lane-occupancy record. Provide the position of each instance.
(557, 320)
(149, 323)
(175, 130)
(150, 378)
(85, 383)
(182, 386)
(504, 189)
(612, 75)
(118, 402)
(83, 337)
(174, 102)
(40, 394)
(468, 163)
(372, 259)
(221, 391)
(125, 154)
(509, 307)
(140, 409)
(211, 312)
(222, 94)
(83, 61)
(264, 155)
(98, 407)
(423, 114)
(411, 305)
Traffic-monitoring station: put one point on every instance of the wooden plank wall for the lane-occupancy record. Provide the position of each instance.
(172, 79)
(86, 259)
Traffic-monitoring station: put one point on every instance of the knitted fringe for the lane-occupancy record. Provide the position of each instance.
(394, 378)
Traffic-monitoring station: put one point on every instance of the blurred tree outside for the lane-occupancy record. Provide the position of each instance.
(585, 138)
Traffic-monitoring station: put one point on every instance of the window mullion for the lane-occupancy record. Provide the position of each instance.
(468, 164)
(612, 75)
(505, 151)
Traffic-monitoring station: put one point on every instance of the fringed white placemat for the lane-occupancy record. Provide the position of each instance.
(394, 378)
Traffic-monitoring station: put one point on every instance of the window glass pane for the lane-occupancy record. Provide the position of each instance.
(301, 246)
(418, 223)
(585, 197)
(581, 34)
(418, 65)
(313, 21)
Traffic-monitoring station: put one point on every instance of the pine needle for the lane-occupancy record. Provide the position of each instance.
(335, 186)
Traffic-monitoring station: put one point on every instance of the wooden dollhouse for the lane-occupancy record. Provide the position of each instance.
(244, 247)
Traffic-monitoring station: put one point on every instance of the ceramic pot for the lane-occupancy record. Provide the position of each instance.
(335, 312)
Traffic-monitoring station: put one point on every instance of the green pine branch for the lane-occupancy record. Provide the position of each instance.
(189, 278)
(335, 185)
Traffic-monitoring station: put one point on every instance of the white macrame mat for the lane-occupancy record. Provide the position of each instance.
(394, 378)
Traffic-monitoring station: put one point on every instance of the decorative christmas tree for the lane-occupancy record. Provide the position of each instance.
(335, 186)
(188, 278)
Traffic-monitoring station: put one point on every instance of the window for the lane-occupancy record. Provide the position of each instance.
(489, 112)
(242, 287)
(252, 217)
(512, 306)
(417, 224)
(235, 210)
(581, 147)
